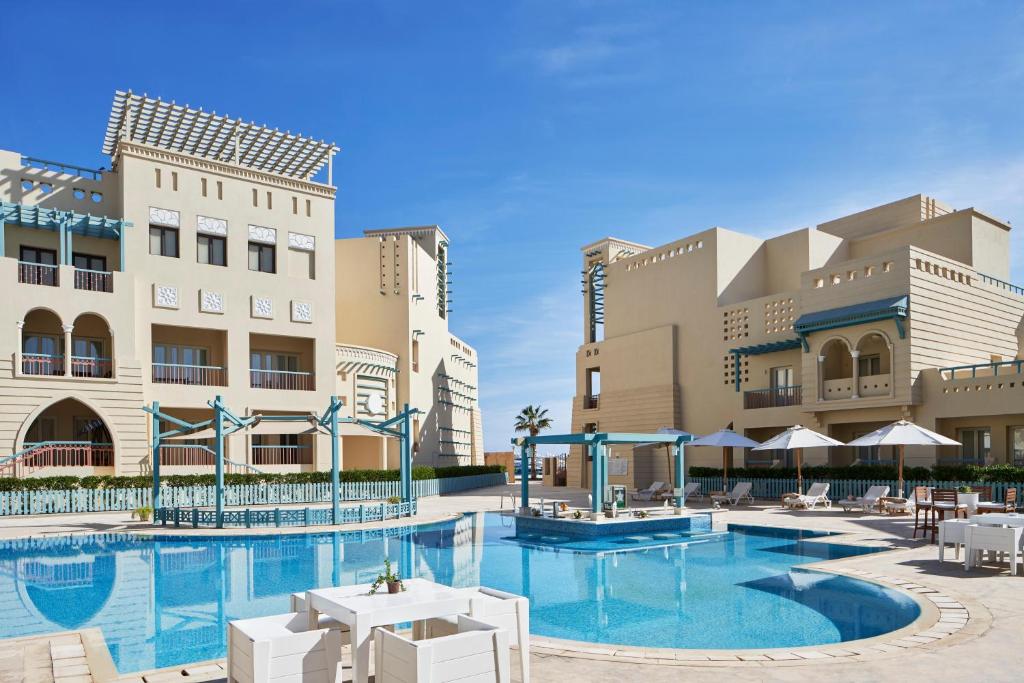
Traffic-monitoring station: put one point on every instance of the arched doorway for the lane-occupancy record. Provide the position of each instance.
(836, 368)
(42, 343)
(874, 365)
(91, 347)
(67, 434)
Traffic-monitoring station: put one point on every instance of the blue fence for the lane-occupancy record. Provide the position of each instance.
(773, 489)
(109, 500)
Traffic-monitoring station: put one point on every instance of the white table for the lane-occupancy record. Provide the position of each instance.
(352, 605)
(999, 519)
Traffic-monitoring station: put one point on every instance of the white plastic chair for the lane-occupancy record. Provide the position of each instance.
(998, 539)
(478, 652)
(952, 531)
(817, 493)
(867, 502)
(281, 648)
(650, 492)
(691, 489)
(740, 491)
(503, 610)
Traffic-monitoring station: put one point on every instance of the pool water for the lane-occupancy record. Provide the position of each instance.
(166, 602)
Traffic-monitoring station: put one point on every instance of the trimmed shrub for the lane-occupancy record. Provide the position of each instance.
(141, 482)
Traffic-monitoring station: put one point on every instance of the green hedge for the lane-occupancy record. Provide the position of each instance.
(65, 483)
(994, 473)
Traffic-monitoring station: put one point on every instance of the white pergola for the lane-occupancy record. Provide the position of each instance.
(180, 128)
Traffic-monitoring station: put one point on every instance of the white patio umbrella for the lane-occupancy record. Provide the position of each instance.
(668, 446)
(903, 433)
(726, 439)
(796, 439)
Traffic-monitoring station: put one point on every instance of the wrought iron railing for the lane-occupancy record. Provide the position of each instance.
(38, 274)
(281, 379)
(42, 364)
(775, 397)
(94, 280)
(61, 167)
(178, 373)
(282, 455)
(85, 366)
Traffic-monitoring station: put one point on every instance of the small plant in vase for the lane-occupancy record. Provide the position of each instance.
(964, 489)
(389, 577)
(577, 515)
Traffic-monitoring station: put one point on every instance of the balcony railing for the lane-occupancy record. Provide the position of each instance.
(198, 375)
(42, 364)
(591, 402)
(282, 455)
(775, 397)
(38, 274)
(1006, 367)
(281, 379)
(83, 366)
(186, 455)
(94, 280)
(58, 454)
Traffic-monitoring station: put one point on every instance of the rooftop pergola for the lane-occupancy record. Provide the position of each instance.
(598, 444)
(224, 423)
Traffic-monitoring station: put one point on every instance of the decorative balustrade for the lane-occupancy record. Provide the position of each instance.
(85, 366)
(997, 369)
(198, 375)
(186, 455)
(42, 364)
(38, 274)
(281, 379)
(591, 402)
(37, 456)
(94, 280)
(282, 455)
(774, 397)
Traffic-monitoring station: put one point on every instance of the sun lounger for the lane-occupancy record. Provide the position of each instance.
(740, 492)
(867, 502)
(817, 493)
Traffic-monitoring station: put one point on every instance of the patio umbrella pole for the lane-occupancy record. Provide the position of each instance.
(798, 452)
(726, 457)
(899, 471)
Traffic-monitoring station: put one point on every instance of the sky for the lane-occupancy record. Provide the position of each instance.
(528, 129)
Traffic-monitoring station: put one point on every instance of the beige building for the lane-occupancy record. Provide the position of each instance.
(900, 311)
(200, 264)
(393, 294)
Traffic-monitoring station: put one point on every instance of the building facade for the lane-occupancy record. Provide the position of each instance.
(200, 264)
(393, 293)
(900, 311)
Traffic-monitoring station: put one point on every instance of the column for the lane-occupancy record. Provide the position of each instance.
(67, 349)
(595, 480)
(855, 356)
(892, 370)
(113, 357)
(679, 482)
(21, 345)
(821, 378)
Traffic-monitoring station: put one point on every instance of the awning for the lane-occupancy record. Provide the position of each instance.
(895, 308)
(767, 347)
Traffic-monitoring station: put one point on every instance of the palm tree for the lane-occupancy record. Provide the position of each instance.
(533, 419)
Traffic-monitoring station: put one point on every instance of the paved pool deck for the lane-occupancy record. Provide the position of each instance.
(975, 627)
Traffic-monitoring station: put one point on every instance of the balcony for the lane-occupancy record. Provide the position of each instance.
(189, 356)
(591, 402)
(776, 397)
(281, 379)
(38, 274)
(45, 364)
(198, 375)
(87, 366)
(94, 280)
(282, 455)
(998, 369)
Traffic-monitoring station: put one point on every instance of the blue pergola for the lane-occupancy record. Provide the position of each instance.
(225, 423)
(65, 224)
(597, 444)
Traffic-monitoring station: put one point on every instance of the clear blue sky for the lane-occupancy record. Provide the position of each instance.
(527, 129)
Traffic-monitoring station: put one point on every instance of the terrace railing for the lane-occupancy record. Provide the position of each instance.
(85, 366)
(282, 455)
(38, 274)
(37, 456)
(281, 379)
(591, 402)
(94, 280)
(772, 398)
(1006, 367)
(178, 373)
(42, 364)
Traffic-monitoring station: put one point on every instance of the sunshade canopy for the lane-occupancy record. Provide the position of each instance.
(725, 438)
(903, 433)
(797, 436)
(663, 430)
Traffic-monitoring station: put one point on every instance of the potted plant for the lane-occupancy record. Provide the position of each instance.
(577, 515)
(143, 513)
(642, 514)
(389, 577)
(966, 495)
(535, 512)
(394, 500)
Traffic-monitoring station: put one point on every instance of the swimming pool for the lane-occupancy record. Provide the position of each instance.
(165, 602)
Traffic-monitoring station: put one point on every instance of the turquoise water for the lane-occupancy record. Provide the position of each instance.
(166, 602)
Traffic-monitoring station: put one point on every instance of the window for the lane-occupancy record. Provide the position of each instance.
(295, 205)
(179, 364)
(781, 377)
(157, 173)
(977, 442)
(415, 355)
(202, 184)
(163, 241)
(212, 250)
(42, 345)
(270, 200)
(44, 273)
(869, 365)
(91, 429)
(255, 197)
(43, 429)
(174, 180)
(220, 190)
(261, 257)
(89, 262)
(1017, 445)
(301, 264)
(309, 208)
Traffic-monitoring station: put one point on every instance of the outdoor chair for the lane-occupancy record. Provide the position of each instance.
(298, 605)
(498, 608)
(477, 652)
(922, 509)
(868, 502)
(652, 492)
(1009, 504)
(817, 493)
(691, 489)
(739, 492)
(996, 539)
(952, 531)
(280, 647)
(943, 501)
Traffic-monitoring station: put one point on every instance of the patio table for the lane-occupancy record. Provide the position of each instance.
(352, 605)
(999, 519)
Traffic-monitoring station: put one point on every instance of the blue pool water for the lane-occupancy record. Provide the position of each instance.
(165, 602)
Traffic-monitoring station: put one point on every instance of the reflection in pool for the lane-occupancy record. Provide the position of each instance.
(165, 602)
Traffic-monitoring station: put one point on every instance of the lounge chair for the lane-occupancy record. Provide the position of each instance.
(740, 492)
(867, 502)
(692, 489)
(652, 492)
(478, 652)
(817, 493)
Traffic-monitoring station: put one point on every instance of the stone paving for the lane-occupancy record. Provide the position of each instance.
(972, 625)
